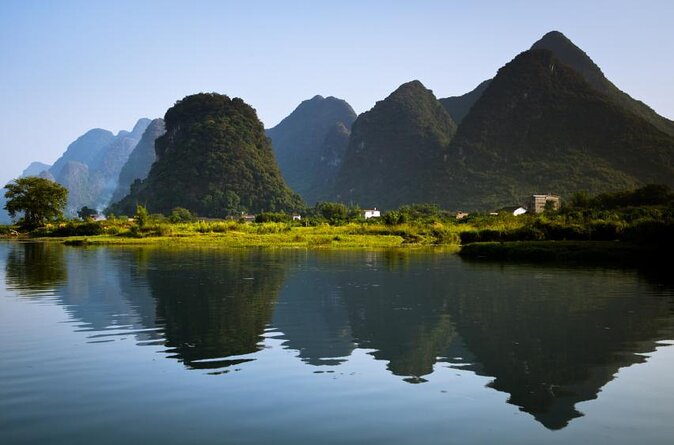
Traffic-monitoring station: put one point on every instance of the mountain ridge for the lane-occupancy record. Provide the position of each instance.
(309, 144)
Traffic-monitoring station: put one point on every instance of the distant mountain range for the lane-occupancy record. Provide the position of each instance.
(549, 121)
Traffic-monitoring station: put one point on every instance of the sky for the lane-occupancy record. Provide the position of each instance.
(70, 66)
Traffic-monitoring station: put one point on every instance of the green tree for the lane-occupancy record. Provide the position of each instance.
(40, 200)
(180, 214)
(334, 212)
(85, 213)
(142, 217)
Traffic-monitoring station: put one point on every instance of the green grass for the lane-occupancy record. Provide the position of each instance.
(269, 234)
(552, 235)
(262, 235)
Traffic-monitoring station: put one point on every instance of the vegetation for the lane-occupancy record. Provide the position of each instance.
(571, 55)
(395, 153)
(214, 160)
(617, 224)
(180, 214)
(85, 213)
(39, 200)
(520, 138)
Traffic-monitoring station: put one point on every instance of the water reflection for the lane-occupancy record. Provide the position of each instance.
(214, 306)
(32, 268)
(549, 337)
(554, 338)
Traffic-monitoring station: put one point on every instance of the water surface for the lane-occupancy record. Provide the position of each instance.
(148, 345)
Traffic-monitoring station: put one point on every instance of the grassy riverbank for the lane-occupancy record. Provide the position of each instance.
(240, 234)
(635, 223)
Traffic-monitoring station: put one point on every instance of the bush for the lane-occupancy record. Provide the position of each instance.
(271, 227)
(141, 217)
(334, 212)
(605, 230)
(76, 229)
(651, 232)
(180, 214)
(271, 217)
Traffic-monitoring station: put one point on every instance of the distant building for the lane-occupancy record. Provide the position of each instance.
(247, 217)
(461, 215)
(371, 213)
(537, 203)
(297, 217)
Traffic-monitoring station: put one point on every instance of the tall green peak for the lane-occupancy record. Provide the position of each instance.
(214, 160)
(567, 52)
(540, 126)
(396, 150)
(570, 54)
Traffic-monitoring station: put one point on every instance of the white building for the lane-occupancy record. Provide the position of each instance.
(371, 213)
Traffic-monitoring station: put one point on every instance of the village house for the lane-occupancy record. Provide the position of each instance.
(537, 203)
(371, 213)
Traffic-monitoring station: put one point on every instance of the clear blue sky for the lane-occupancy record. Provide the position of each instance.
(69, 66)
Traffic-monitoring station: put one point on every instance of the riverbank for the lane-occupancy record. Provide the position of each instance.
(269, 235)
(605, 252)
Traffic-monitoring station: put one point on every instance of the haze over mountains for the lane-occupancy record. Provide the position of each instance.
(549, 121)
(90, 166)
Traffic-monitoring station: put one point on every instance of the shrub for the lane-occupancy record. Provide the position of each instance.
(271, 217)
(180, 214)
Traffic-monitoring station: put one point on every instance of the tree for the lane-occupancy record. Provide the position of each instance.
(85, 213)
(39, 199)
(180, 214)
(334, 212)
(142, 217)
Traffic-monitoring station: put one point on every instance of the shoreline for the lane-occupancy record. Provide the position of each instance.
(239, 241)
(602, 252)
(610, 252)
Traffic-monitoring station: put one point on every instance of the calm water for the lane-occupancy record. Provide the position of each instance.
(142, 346)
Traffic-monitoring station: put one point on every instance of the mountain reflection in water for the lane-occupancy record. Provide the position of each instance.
(549, 337)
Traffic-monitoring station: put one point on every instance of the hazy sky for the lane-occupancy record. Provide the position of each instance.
(69, 66)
